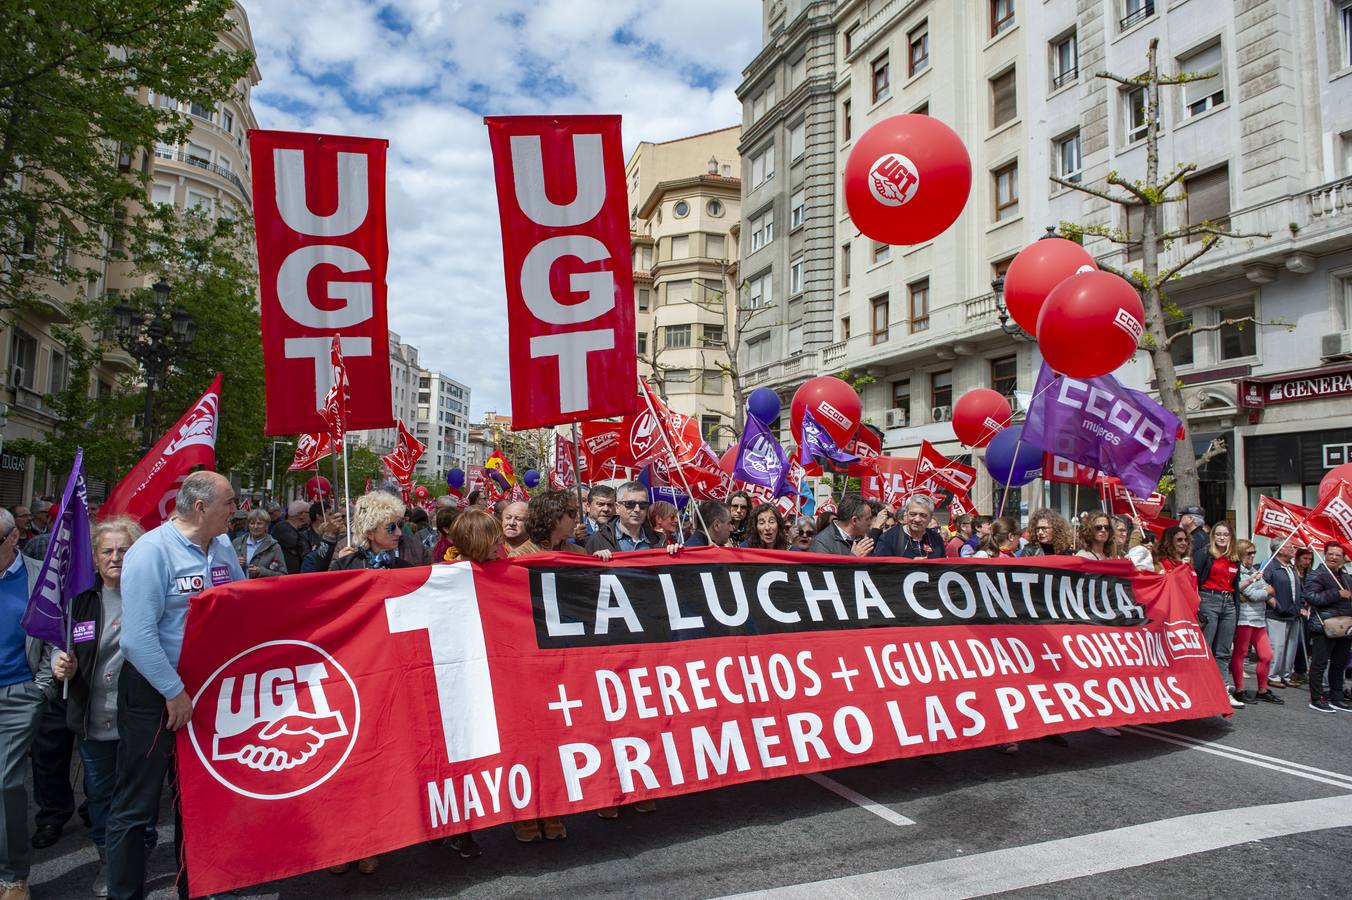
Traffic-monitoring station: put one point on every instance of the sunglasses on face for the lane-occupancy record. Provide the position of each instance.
(1102, 527)
(807, 534)
(635, 504)
(391, 527)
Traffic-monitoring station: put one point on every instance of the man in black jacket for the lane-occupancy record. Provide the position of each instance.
(628, 530)
(287, 532)
(1328, 592)
(848, 534)
(912, 538)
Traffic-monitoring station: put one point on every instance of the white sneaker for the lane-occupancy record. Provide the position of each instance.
(1235, 703)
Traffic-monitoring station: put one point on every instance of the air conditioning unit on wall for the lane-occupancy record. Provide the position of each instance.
(1339, 343)
(896, 418)
(941, 414)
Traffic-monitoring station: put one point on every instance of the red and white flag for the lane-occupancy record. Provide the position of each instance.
(1278, 519)
(563, 202)
(319, 217)
(310, 449)
(335, 400)
(657, 431)
(1121, 500)
(960, 505)
(934, 470)
(561, 475)
(599, 442)
(1336, 509)
(404, 456)
(150, 489)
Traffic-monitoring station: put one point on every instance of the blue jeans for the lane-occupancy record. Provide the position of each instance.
(100, 767)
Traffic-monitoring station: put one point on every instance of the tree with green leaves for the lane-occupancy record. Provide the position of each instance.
(73, 118)
(1144, 201)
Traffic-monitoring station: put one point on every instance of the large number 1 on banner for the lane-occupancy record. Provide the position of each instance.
(447, 608)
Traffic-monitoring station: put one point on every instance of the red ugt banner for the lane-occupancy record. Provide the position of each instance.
(319, 215)
(565, 246)
(439, 700)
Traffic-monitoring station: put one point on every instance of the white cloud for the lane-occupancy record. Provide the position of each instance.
(422, 73)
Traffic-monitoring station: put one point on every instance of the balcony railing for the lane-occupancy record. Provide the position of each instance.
(1066, 77)
(978, 309)
(833, 355)
(178, 155)
(1146, 10)
(799, 365)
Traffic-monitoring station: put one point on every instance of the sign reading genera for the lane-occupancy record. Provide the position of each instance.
(1255, 394)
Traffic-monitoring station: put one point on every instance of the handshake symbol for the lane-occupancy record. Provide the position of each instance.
(280, 744)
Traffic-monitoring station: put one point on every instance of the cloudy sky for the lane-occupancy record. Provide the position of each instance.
(424, 73)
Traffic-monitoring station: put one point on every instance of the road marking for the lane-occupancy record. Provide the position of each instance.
(860, 800)
(992, 872)
(1245, 756)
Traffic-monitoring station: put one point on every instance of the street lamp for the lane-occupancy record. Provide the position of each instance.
(1013, 329)
(154, 339)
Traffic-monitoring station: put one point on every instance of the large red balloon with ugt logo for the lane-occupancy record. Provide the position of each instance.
(907, 179)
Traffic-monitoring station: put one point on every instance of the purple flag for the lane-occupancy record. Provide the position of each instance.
(760, 459)
(1100, 423)
(68, 567)
(815, 444)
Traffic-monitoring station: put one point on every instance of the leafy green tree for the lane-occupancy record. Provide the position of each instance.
(72, 119)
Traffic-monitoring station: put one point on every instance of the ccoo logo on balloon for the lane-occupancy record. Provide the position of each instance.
(893, 179)
(276, 720)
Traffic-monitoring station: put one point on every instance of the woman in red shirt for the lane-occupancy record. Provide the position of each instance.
(1217, 567)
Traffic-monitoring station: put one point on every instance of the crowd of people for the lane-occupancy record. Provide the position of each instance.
(127, 631)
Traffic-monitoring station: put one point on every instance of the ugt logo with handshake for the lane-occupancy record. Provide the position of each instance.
(284, 718)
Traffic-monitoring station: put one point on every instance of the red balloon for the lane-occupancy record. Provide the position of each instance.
(834, 405)
(907, 179)
(729, 457)
(979, 415)
(420, 492)
(1090, 324)
(1330, 481)
(1036, 271)
(317, 487)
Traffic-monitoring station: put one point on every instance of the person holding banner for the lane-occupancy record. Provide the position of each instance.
(962, 530)
(1251, 626)
(93, 669)
(847, 534)
(665, 519)
(766, 529)
(1174, 547)
(629, 530)
(162, 572)
(717, 519)
(551, 519)
(25, 685)
(1283, 612)
(600, 508)
(1328, 591)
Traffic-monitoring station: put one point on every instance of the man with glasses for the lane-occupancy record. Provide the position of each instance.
(629, 530)
(739, 507)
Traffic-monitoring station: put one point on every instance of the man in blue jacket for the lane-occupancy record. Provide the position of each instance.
(1283, 613)
(912, 537)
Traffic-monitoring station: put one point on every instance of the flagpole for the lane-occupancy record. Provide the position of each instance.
(577, 471)
(662, 430)
(1004, 497)
(347, 497)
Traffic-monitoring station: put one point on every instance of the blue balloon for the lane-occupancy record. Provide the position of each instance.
(455, 478)
(532, 478)
(763, 404)
(1011, 461)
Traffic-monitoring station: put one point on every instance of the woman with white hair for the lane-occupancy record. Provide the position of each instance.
(377, 525)
(259, 553)
(93, 667)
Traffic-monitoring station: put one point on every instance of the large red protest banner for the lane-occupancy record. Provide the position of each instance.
(436, 700)
(565, 245)
(319, 217)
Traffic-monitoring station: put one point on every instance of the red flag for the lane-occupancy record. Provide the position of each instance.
(1121, 500)
(149, 490)
(518, 492)
(310, 449)
(319, 217)
(1336, 509)
(561, 475)
(895, 481)
(1277, 519)
(600, 441)
(961, 505)
(657, 431)
(404, 456)
(335, 399)
(1065, 471)
(932, 469)
(827, 506)
(245, 505)
(563, 202)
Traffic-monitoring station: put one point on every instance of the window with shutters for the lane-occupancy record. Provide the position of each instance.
(712, 335)
(882, 79)
(881, 252)
(844, 328)
(711, 382)
(642, 343)
(849, 38)
(797, 71)
(758, 292)
(844, 265)
(796, 276)
(901, 396)
(682, 291)
(1204, 93)
(1065, 60)
(878, 318)
(941, 388)
(1004, 100)
(1134, 103)
(918, 41)
(1066, 156)
(758, 351)
(1238, 341)
(763, 165)
(797, 140)
(644, 299)
(795, 338)
(1182, 348)
(762, 229)
(680, 246)
(845, 121)
(23, 358)
(1005, 375)
(715, 246)
(1345, 35)
(918, 292)
(1134, 224)
(1208, 199)
(797, 210)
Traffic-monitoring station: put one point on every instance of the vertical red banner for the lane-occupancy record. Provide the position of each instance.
(319, 217)
(563, 204)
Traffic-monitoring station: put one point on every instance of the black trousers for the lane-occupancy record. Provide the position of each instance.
(52, 749)
(145, 754)
(1329, 654)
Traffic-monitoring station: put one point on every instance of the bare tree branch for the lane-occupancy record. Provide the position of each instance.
(1175, 178)
(1207, 243)
(1217, 326)
(1202, 228)
(1116, 181)
(1129, 82)
(1102, 195)
(1213, 450)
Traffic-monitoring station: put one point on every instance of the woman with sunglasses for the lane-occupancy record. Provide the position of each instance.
(1097, 539)
(377, 526)
(1251, 626)
(803, 534)
(1174, 545)
(766, 529)
(1217, 566)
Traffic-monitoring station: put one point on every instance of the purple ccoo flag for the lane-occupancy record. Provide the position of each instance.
(815, 444)
(68, 568)
(760, 459)
(1100, 423)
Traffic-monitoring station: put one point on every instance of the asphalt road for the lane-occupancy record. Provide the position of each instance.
(1257, 806)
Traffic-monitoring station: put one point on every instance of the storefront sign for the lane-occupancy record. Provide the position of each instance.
(1254, 394)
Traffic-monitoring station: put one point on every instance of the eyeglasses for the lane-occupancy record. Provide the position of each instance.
(803, 534)
(1043, 528)
(391, 527)
(635, 504)
(1102, 527)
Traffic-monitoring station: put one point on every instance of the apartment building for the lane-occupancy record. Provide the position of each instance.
(685, 204)
(210, 170)
(442, 423)
(1271, 136)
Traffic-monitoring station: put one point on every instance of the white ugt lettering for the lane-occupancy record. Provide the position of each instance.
(293, 203)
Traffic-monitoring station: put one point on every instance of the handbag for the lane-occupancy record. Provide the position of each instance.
(1335, 626)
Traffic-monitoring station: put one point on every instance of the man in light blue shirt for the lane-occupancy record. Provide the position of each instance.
(162, 572)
